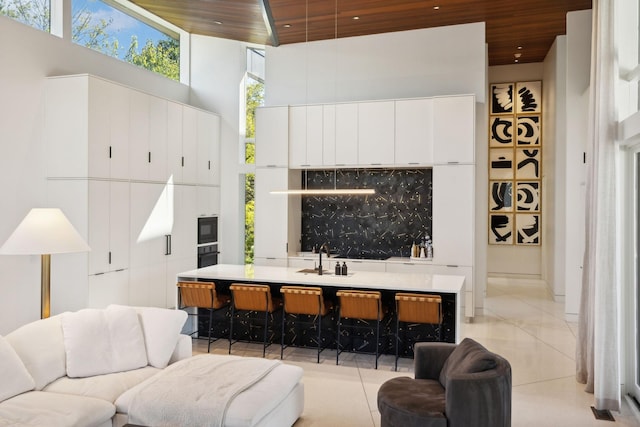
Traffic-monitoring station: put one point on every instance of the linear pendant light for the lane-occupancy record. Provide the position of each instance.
(328, 192)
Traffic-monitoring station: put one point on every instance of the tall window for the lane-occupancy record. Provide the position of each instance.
(36, 13)
(113, 30)
(254, 97)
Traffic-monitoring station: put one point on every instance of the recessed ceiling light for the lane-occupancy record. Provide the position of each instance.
(515, 60)
(287, 25)
(217, 22)
(355, 18)
(436, 7)
(519, 47)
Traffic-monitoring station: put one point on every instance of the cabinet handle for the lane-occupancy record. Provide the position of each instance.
(119, 270)
(376, 164)
(109, 151)
(182, 161)
(452, 266)
(109, 257)
(209, 166)
(414, 163)
(167, 239)
(149, 156)
(453, 163)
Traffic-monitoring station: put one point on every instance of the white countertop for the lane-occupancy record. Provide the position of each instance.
(421, 282)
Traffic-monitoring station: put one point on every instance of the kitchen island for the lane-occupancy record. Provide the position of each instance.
(449, 287)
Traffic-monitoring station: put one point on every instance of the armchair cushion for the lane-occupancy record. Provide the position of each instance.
(468, 357)
(412, 403)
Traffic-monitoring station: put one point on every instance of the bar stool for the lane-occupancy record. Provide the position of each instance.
(417, 308)
(201, 295)
(253, 298)
(360, 305)
(304, 300)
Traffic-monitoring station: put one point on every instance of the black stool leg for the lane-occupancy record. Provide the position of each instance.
(266, 329)
(284, 316)
(338, 340)
(210, 322)
(233, 312)
(397, 340)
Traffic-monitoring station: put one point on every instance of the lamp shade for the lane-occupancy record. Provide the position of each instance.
(44, 231)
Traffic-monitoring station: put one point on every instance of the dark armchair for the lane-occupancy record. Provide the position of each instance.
(462, 385)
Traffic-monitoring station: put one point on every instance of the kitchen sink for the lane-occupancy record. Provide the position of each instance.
(312, 271)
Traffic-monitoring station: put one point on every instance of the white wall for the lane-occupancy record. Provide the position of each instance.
(554, 172)
(27, 57)
(437, 61)
(578, 74)
(217, 71)
(515, 260)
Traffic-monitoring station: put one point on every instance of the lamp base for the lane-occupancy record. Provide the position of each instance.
(45, 285)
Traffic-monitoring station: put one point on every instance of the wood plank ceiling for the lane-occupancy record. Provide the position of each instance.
(513, 27)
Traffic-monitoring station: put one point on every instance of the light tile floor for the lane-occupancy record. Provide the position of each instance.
(520, 321)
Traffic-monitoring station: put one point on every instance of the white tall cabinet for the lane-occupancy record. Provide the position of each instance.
(133, 172)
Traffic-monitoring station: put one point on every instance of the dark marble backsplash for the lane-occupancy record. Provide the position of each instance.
(380, 225)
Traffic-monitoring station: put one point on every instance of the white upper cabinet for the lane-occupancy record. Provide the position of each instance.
(86, 128)
(158, 139)
(208, 148)
(306, 136)
(297, 136)
(329, 135)
(139, 136)
(119, 129)
(174, 138)
(454, 129)
(346, 130)
(414, 132)
(189, 144)
(376, 133)
(272, 136)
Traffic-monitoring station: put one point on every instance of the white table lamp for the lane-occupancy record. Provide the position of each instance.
(44, 231)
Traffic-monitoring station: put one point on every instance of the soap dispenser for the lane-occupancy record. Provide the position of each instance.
(344, 269)
(338, 269)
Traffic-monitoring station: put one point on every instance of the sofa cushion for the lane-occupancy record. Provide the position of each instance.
(103, 341)
(161, 328)
(409, 402)
(15, 377)
(467, 358)
(40, 346)
(39, 408)
(107, 387)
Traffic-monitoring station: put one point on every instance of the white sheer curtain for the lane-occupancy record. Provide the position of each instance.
(598, 344)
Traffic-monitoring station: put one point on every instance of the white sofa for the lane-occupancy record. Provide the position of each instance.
(84, 368)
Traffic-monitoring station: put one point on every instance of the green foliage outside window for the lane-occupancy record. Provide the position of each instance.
(254, 99)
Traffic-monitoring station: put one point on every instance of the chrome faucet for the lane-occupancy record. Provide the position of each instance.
(325, 247)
